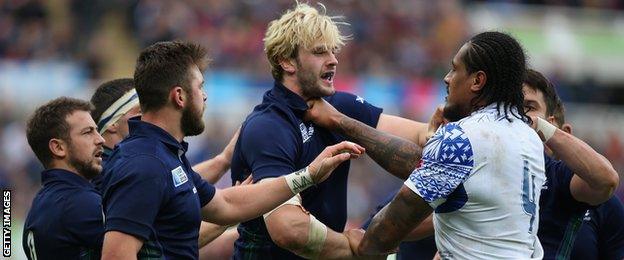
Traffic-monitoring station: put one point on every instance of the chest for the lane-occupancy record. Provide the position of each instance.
(182, 205)
(314, 140)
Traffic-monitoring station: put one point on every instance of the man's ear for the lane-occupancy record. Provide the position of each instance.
(113, 128)
(288, 65)
(567, 128)
(479, 81)
(178, 96)
(58, 147)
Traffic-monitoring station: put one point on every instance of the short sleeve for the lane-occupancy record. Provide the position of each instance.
(84, 218)
(134, 196)
(269, 145)
(560, 178)
(205, 190)
(356, 107)
(447, 162)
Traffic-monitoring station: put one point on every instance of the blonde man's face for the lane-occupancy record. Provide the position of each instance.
(316, 70)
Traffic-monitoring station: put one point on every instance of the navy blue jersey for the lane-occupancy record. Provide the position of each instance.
(602, 234)
(65, 220)
(275, 141)
(560, 214)
(151, 192)
(409, 250)
(97, 180)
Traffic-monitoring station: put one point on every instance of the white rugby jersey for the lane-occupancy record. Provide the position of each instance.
(483, 176)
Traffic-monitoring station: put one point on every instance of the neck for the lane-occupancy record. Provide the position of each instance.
(291, 83)
(63, 165)
(167, 119)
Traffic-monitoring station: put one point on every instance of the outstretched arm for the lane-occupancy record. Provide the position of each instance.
(594, 179)
(393, 223)
(241, 203)
(397, 155)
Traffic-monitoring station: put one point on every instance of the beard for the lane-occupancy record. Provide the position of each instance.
(87, 168)
(309, 82)
(192, 122)
(453, 112)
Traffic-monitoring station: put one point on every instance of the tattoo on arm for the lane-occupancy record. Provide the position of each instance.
(396, 155)
(394, 222)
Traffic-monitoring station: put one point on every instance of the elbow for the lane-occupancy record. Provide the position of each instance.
(613, 182)
(290, 234)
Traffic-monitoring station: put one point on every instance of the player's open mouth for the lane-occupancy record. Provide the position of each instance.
(99, 153)
(328, 76)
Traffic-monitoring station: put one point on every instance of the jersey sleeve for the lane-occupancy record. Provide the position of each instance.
(356, 107)
(205, 190)
(561, 177)
(84, 218)
(133, 198)
(447, 162)
(269, 145)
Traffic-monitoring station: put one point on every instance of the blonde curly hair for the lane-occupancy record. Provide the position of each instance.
(302, 27)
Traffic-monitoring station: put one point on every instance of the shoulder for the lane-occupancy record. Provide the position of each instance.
(267, 124)
(82, 202)
(450, 144)
(137, 165)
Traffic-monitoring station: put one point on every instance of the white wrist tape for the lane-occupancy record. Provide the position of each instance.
(299, 180)
(317, 233)
(547, 129)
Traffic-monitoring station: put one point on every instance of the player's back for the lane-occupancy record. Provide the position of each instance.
(493, 213)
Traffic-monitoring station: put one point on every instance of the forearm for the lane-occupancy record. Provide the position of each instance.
(336, 246)
(424, 230)
(208, 232)
(295, 230)
(396, 155)
(392, 224)
(246, 202)
(213, 169)
(585, 162)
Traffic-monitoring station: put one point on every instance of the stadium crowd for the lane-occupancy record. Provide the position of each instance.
(408, 41)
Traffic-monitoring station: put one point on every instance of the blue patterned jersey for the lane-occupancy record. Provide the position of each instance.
(482, 175)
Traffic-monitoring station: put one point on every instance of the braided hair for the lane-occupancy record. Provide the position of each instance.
(502, 59)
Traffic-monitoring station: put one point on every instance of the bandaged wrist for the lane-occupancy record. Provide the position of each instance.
(299, 180)
(547, 129)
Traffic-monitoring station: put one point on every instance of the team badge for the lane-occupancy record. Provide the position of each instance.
(306, 132)
(179, 176)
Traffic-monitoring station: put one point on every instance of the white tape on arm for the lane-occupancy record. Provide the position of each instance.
(299, 180)
(547, 129)
(317, 233)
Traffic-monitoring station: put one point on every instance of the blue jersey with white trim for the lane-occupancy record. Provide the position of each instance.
(482, 175)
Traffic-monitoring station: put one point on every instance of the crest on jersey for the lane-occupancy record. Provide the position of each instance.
(306, 132)
(179, 176)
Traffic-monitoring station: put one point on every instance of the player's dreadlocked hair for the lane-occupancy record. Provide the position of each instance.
(502, 59)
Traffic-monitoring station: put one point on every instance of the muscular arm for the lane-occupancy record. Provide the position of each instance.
(594, 179)
(119, 245)
(289, 227)
(392, 224)
(395, 154)
(213, 169)
(424, 230)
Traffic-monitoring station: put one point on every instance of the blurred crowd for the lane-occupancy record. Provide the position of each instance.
(407, 40)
